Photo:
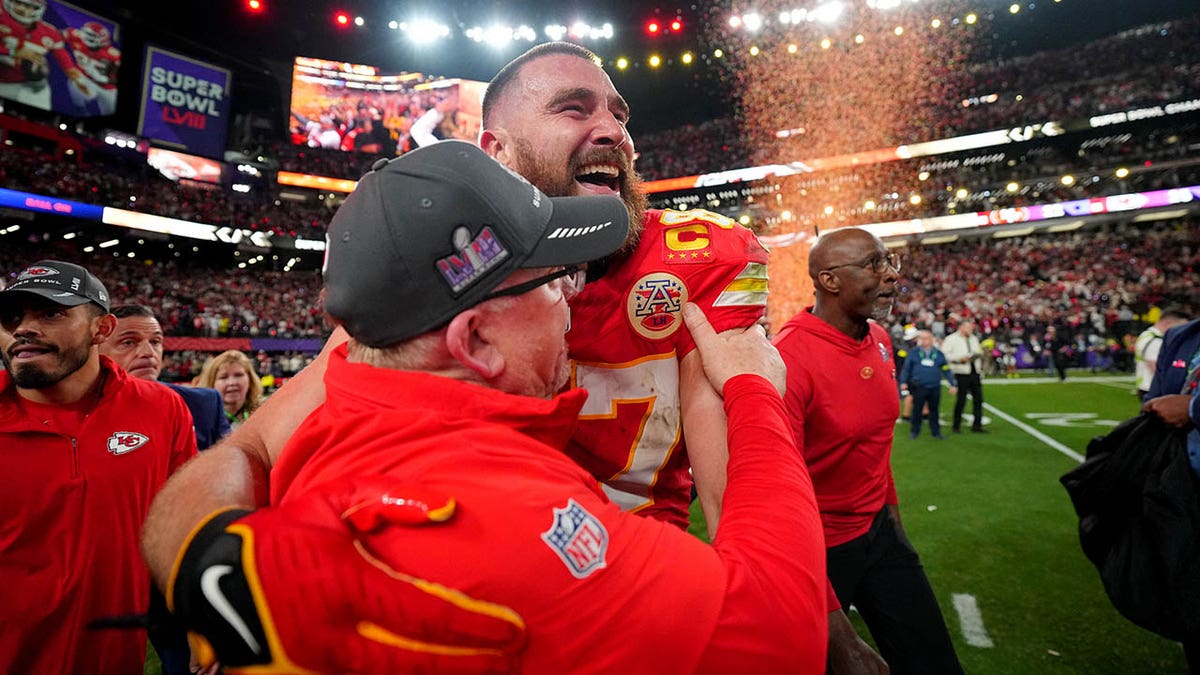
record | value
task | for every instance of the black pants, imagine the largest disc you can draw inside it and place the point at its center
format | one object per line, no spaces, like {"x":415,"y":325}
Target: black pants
{"x":969,"y":384}
{"x":881,"y":575}
{"x":921,"y":396}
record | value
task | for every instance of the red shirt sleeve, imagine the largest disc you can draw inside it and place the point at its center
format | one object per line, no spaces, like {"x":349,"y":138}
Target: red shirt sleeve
{"x":775,"y":608}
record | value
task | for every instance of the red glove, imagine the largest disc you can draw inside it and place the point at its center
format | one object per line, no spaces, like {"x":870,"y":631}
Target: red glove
{"x":295,"y":588}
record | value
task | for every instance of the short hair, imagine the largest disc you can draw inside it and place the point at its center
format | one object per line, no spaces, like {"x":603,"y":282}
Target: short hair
{"x":126,"y":311}
{"x":1175,"y":311}
{"x":500,"y":83}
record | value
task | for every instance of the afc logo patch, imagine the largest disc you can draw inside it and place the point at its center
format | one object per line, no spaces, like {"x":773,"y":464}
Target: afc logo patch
{"x":579,"y":539}
{"x":122,"y":442}
{"x":655,"y":305}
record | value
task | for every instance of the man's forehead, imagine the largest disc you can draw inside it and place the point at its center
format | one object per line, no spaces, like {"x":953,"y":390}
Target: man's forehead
{"x":138,"y":324}
{"x":563,"y":75}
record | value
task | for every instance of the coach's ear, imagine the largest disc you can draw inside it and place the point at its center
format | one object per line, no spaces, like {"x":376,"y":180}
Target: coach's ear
{"x":468,"y":344}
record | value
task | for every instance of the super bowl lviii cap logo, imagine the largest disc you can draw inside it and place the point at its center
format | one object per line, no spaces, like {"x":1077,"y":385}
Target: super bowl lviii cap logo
{"x":474,"y":257}
{"x":655,"y":305}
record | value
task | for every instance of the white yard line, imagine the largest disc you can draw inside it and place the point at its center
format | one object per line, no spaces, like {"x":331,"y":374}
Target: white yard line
{"x":971,"y":621}
{"x":1033,"y":432}
{"x":1001,"y":380}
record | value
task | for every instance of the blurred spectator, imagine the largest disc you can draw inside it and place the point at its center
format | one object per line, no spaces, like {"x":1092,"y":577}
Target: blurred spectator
{"x":232,"y":374}
{"x":1148,"y":344}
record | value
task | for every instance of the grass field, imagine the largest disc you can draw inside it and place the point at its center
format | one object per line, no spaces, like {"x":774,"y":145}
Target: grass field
{"x":991,"y":520}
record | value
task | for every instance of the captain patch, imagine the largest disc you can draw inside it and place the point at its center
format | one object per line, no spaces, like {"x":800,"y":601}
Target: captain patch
{"x":655,"y":305}
{"x":579,"y":539}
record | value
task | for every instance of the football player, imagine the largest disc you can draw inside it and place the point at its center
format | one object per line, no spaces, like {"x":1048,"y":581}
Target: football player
{"x":99,"y":59}
{"x":554,"y":116}
{"x":26,"y":43}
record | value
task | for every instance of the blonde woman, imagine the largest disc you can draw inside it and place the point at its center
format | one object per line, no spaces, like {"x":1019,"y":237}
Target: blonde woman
{"x":232,"y":374}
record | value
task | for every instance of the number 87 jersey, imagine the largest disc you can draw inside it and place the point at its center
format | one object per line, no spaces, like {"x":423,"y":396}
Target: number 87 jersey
{"x":627,"y":339}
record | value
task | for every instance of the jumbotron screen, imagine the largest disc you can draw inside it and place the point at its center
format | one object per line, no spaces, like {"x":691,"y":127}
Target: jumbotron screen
{"x":358,"y":108}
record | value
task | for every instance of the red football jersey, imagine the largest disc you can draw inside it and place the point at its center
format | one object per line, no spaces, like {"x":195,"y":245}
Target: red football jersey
{"x":627,"y":338}
{"x":40,"y":38}
{"x":100,"y":65}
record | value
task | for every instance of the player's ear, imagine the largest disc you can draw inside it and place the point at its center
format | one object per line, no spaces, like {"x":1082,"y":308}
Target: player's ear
{"x":468,"y":344}
{"x":495,"y":143}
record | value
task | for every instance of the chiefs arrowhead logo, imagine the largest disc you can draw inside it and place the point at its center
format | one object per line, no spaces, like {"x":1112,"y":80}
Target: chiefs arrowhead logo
{"x":122,"y":442}
{"x":37,"y":272}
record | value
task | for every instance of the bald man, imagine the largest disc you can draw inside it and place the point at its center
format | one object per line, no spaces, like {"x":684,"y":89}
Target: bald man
{"x":843,"y":402}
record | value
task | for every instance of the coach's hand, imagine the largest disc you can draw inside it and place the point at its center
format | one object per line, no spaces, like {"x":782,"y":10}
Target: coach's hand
{"x":296,"y":588}
{"x":734,"y":352}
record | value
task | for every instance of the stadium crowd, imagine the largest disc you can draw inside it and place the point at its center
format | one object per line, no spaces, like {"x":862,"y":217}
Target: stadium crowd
{"x":1095,"y":286}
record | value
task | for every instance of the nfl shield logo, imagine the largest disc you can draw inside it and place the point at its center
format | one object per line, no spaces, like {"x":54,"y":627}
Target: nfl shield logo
{"x":579,"y":538}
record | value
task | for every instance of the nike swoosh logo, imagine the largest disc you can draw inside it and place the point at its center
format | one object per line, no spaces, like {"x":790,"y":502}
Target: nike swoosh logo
{"x":210,"y":585}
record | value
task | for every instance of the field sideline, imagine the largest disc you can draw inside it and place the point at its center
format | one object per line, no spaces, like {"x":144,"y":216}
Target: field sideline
{"x":998,"y":535}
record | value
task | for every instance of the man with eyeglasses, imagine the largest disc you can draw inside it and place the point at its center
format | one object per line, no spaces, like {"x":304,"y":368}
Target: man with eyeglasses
{"x":843,"y":401}
{"x":425,"y":518}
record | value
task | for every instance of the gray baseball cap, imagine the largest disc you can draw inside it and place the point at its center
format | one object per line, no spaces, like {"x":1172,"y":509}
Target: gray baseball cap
{"x":64,"y":283}
{"x":430,"y":234}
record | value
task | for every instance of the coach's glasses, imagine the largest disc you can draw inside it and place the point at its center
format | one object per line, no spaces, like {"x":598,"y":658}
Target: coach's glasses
{"x":572,"y":277}
{"x":877,"y":264}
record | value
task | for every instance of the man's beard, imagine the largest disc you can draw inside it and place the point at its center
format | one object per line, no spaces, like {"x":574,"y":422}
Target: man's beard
{"x":557,"y":181}
{"x":68,"y":360}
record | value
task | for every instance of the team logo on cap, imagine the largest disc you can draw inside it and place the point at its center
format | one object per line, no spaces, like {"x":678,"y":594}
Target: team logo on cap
{"x":579,"y":539}
{"x":473,"y":257}
{"x":34,"y":272}
{"x":122,"y":442}
{"x":655,"y":305}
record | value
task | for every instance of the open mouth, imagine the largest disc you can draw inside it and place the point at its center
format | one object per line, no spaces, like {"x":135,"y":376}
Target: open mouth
{"x":600,"y":177}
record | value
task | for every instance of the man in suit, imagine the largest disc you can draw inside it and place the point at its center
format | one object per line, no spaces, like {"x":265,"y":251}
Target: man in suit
{"x":136,"y":345}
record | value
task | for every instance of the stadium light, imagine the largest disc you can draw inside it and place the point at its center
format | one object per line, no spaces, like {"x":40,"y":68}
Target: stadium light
{"x":936,"y":23}
{"x":255,"y":6}
{"x":899,"y":30}
{"x":622,"y":63}
{"x":754,"y":50}
{"x":859,"y":39}
{"x":972,"y":18}
{"x":1014,"y":8}
{"x":752,"y":21}
{"x":735,"y":21}
{"x":655,"y":61}
{"x":792,"y":48}
{"x":828,"y":12}
{"x":341,"y":19}
{"x":826,"y":43}
{"x":425,"y":31}
{"x":1067,"y":180}
{"x":686,"y":58}
{"x":653,"y":28}
{"x":676,"y":25}
{"x":718,"y":53}
{"x":1122,"y":172}
{"x":555,"y":31}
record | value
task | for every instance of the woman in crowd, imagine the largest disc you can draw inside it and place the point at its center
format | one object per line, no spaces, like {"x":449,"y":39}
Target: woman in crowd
{"x":233,"y":375}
